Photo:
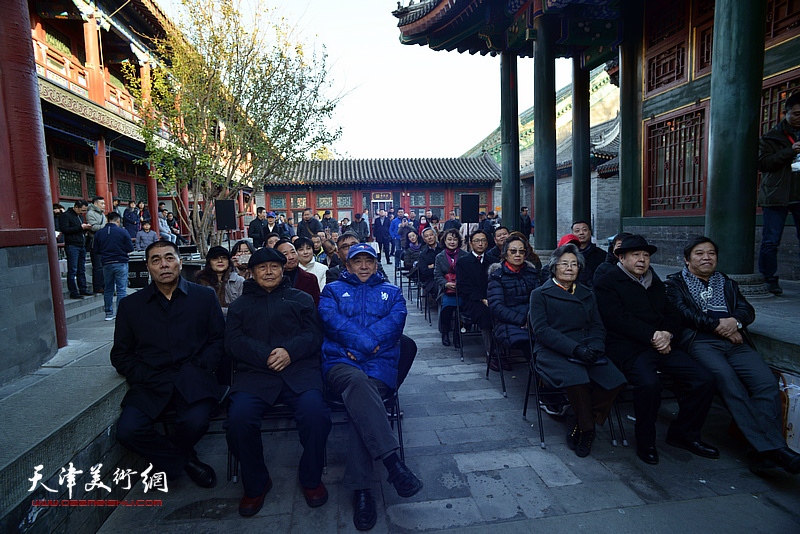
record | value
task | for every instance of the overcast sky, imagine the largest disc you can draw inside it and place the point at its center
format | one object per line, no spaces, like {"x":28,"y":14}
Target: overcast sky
{"x":401,"y":101}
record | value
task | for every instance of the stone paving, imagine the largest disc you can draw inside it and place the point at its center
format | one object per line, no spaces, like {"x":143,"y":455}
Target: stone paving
{"x":484,"y":471}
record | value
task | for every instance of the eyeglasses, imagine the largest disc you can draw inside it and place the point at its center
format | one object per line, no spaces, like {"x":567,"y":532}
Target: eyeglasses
{"x":514,"y":251}
{"x":479,"y":241}
{"x":566,"y":264}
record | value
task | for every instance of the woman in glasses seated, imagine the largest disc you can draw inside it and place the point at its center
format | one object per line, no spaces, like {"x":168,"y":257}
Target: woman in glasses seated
{"x":570,"y":346}
{"x":510,"y":284}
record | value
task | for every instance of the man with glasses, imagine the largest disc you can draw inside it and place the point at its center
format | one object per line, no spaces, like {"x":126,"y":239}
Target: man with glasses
{"x":472,"y":282}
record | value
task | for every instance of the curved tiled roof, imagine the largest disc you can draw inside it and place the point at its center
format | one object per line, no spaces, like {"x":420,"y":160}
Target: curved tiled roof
{"x":401,"y":170}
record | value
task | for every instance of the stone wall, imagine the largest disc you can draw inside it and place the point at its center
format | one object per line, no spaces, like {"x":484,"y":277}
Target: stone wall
{"x":605,"y":207}
{"x":27,"y":325}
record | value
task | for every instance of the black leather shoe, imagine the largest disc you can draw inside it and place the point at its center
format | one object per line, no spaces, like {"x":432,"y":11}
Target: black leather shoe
{"x":445,"y":339}
{"x":202,"y":474}
{"x":583,"y":445}
{"x":86,"y":293}
{"x":76,"y":296}
{"x":786,"y":458}
{"x":364,"y":514}
{"x":648,"y":455}
{"x":404,"y":481}
{"x":695,"y":447}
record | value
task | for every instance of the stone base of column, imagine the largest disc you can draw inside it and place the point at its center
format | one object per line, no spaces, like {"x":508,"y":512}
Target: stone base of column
{"x":544,"y":255}
{"x":752,"y":286}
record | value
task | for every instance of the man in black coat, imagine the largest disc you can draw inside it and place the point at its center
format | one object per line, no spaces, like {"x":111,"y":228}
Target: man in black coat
{"x":643,"y":336}
{"x":715,"y":317}
{"x":168,"y":341}
{"x":381,"y":231}
{"x":74,"y":228}
{"x":256,"y":229}
{"x":472,"y":281}
{"x":309,"y":226}
{"x":273,"y":335}
{"x":524,"y":221}
{"x":592,"y":256}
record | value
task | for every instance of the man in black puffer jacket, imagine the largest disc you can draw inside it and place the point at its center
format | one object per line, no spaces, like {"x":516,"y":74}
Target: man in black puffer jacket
{"x":715,"y":316}
{"x":273,"y":334}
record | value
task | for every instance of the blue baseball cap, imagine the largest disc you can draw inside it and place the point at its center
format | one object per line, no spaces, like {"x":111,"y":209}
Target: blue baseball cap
{"x":361,"y":248}
{"x":271,"y":214}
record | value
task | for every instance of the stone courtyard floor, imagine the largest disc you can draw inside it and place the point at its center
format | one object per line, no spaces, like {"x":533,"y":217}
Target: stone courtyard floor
{"x":484,"y":471}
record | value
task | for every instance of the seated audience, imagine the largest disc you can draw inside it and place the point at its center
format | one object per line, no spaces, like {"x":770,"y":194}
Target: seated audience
{"x":169,"y":361}
{"x":220,"y":275}
{"x":298,"y":278}
{"x":240,"y":256}
{"x":444,"y":272}
{"x":570,"y":346}
{"x":509,"y":291}
{"x":715,"y":318}
{"x":273,"y":335}
{"x":412,"y":250}
{"x":592,"y":255}
{"x":331,"y":256}
{"x":360,"y":355}
{"x":172,"y":222}
{"x":495,"y":253}
{"x":145,"y":237}
{"x":270,"y":239}
{"x":427,"y":260}
{"x":611,"y":259}
{"x":319,"y":252}
{"x":473,"y":281}
{"x":305,"y":255}
{"x":643,"y":336}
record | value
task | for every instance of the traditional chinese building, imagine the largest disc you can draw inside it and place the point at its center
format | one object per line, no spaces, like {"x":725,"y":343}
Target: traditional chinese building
{"x":699,"y":81}
{"x":346,"y":187}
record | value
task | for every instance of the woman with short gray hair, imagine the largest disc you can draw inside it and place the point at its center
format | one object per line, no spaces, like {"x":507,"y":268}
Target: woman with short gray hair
{"x":570,"y":346}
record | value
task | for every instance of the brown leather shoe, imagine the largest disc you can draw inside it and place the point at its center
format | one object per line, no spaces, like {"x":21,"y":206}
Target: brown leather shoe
{"x":316,"y":496}
{"x":249,"y":506}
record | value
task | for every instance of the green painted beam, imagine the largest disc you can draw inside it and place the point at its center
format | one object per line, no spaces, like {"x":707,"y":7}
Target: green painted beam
{"x":509,"y":139}
{"x":631,"y":56}
{"x":544,"y":142}
{"x":737,"y":66}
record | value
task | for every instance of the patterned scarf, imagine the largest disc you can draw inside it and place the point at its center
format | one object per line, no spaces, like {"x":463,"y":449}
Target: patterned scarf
{"x":711,"y":297}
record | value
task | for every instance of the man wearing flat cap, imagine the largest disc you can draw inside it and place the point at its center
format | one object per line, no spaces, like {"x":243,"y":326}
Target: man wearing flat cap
{"x":363,"y":318}
{"x":643,"y":336}
{"x":273,"y":335}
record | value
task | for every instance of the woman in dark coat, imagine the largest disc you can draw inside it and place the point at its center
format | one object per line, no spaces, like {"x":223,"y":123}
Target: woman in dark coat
{"x":412,"y":250}
{"x":446,"y":264}
{"x":510,"y":284}
{"x":570,"y":346}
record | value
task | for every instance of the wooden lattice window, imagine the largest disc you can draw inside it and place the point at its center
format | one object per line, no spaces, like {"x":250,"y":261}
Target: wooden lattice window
{"x":773,"y":98}
{"x":58,"y":41}
{"x":325,"y":201}
{"x":675,"y":169}
{"x":344,"y":200}
{"x":667,"y":39}
{"x":437,"y":198}
{"x":783,"y":19}
{"x":69,"y":183}
{"x":91,"y":186}
{"x":140,"y":191}
{"x":124,"y":190}
{"x":277,"y":202}
{"x":418,"y":199}
{"x":298,"y":201}
{"x":62,"y":151}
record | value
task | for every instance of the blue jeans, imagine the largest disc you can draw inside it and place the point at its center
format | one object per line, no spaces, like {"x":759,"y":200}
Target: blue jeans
{"x":114,"y":274}
{"x":774,"y":222}
{"x":76,"y":263}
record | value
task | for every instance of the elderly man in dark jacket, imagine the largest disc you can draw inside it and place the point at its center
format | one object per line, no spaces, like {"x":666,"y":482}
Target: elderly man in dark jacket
{"x":715,"y":317}
{"x":643,"y":337}
{"x":779,"y":191}
{"x":168,"y":341}
{"x":273,"y":336}
{"x":363,"y":318}
{"x":297,"y":278}
{"x":472,"y":284}
{"x":308,"y":225}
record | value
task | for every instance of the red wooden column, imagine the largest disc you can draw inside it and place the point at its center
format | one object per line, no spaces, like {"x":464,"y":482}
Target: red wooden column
{"x":240,"y":204}
{"x":184,"y":208}
{"x":97,"y":79}
{"x":101,"y":173}
{"x":152,"y":200}
{"x":23,"y":162}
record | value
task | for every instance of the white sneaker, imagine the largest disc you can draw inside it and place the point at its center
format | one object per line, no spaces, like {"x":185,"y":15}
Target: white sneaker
{"x":110,"y":317}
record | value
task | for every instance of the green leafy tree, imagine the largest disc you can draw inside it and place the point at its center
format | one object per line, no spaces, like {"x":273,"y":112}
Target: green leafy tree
{"x":233,"y":103}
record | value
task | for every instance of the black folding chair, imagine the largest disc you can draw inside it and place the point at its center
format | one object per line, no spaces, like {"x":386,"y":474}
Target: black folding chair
{"x":534,"y":379}
{"x":501,"y":353}
{"x":465,"y":326}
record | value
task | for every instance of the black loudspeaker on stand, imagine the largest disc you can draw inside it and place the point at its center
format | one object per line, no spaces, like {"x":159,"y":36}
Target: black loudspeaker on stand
{"x":469,"y":208}
{"x":226,"y":214}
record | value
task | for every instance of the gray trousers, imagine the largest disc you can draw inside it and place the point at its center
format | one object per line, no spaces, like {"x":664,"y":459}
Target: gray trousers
{"x":748,"y":388}
{"x":370,"y":435}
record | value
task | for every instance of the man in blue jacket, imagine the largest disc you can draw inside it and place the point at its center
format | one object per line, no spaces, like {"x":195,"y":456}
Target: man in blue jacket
{"x":394,"y":234}
{"x":363,"y":318}
{"x":113,"y":244}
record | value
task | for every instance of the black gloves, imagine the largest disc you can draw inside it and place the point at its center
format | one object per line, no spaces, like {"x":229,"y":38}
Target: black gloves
{"x":586,"y":354}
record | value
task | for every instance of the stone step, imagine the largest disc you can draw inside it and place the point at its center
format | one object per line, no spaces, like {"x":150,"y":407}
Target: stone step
{"x":71,"y":304}
{"x":81,"y":309}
